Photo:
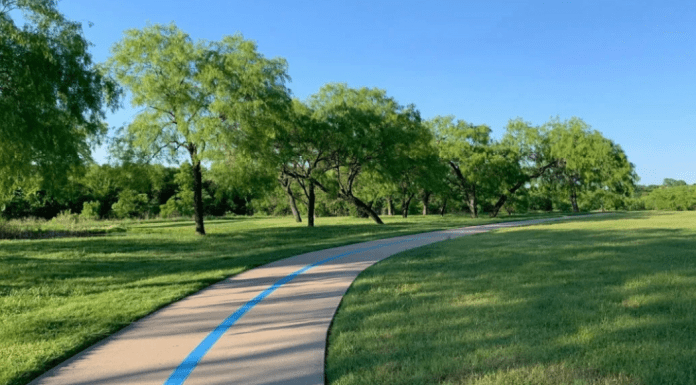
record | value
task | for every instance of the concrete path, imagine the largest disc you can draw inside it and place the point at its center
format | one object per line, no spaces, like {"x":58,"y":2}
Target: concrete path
{"x":264,"y":326}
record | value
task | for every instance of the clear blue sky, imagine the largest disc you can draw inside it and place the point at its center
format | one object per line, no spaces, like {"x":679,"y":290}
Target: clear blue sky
{"x":628,"y":68}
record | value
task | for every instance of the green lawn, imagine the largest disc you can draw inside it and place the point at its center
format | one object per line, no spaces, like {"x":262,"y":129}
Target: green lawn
{"x":609,"y":300}
{"x":58,"y":296}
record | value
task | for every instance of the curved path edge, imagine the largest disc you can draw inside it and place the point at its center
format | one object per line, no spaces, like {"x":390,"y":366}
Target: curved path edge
{"x":267,"y":325}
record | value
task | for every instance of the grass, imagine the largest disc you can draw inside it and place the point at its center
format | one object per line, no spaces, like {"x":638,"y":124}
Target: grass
{"x":609,"y":300}
{"x":60,"y":227}
{"x":60,"y":295}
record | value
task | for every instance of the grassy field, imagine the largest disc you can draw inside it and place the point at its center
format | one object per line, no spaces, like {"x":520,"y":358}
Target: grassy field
{"x":59,"y":295}
{"x":610,"y":300}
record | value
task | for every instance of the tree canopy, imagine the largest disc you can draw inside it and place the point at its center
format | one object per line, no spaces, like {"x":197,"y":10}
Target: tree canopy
{"x":587,"y":161}
{"x":52,"y":97}
{"x":369,"y":128}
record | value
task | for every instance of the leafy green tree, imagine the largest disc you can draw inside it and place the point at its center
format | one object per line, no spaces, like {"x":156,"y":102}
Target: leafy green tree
{"x":197,"y":96}
{"x":51,"y":95}
{"x":241,"y":179}
{"x":523,"y":155}
{"x":588,"y":161}
{"x":416,"y":170}
{"x":302,"y":147}
{"x":367,"y":128}
{"x":465,"y":148}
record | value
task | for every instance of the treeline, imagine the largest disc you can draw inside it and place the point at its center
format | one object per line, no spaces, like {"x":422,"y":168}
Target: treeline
{"x":671,"y":195}
{"x":222,"y":111}
{"x":126,"y":191}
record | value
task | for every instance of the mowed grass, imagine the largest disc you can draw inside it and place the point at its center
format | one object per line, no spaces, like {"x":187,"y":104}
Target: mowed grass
{"x":609,"y":300}
{"x":58,"y":296}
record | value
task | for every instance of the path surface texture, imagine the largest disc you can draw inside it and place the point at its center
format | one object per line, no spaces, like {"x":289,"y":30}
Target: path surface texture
{"x":265,"y":326}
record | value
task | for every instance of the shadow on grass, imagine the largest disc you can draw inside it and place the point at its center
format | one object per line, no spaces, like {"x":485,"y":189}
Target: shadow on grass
{"x":601,"y":305}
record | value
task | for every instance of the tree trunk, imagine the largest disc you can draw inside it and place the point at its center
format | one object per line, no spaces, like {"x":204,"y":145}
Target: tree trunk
{"x":471,"y":201}
{"x":311,"y":198}
{"x":574,"y":200}
{"x":198,"y":197}
{"x":426,"y":200}
{"x":444,"y":207}
{"x":503,"y":198}
{"x":292,"y":202}
{"x":361,"y":206}
{"x":390,"y":206}
{"x":469,"y":189}
{"x":498,"y":205}
{"x":405,"y":203}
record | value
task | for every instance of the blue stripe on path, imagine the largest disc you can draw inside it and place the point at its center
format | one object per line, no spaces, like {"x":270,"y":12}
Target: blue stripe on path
{"x":191,"y":361}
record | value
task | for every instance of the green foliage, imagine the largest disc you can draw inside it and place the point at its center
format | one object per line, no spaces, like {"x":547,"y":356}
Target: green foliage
{"x":130,"y":204}
{"x":90,"y":210}
{"x":195,"y":93}
{"x":669,"y":182}
{"x":467,"y":150}
{"x":677,"y":197}
{"x":66,"y":218}
{"x":203,"y":98}
{"x":369,"y":131}
{"x":588,"y":161}
{"x":180,"y":205}
{"x":51,"y":96}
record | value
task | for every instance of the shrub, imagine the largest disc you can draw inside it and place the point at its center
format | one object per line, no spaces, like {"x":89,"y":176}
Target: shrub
{"x":66,"y":218}
{"x":130,"y":204}
{"x":180,"y":205}
{"x":90,"y":210}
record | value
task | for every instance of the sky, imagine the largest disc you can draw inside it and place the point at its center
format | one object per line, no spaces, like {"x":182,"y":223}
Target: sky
{"x":627,"y":68}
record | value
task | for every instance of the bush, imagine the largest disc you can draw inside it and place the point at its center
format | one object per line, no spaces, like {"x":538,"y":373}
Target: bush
{"x":180,"y":205}
{"x":67,"y":218}
{"x":671,"y":198}
{"x":90,"y":210}
{"x":130,"y":204}
{"x":634,"y":204}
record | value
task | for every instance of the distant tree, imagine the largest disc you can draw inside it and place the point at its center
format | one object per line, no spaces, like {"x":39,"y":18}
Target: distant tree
{"x":51,"y":96}
{"x":367,"y":127}
{"x":669,"y":182}
{"x":466,"y":149}
{"x":588,"y":161}
{"x":302,"y":147}
{"x":197,"y":96}
{"x":242,"y":178}
{"x":678,"y":198}
{"x":524,"y":155}
{"x":417,"y":170}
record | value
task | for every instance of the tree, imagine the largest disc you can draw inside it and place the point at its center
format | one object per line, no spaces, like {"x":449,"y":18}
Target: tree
{"x":51,"y":95}
{"x":416,"y":169}
{"x":527,"y":151}
{"x":588,"y":161}
{"x":465,"y":148}
{"x":197,"y":96}
{"x":669,"y":182}
{"x":367,"y":129}
{"x":302,"y":147}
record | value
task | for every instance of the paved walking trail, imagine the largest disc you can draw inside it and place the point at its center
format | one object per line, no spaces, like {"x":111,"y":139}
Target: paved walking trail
{"x":217,"y":336}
